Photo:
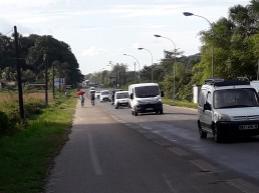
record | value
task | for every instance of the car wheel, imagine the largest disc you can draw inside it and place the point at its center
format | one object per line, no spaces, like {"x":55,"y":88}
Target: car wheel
{"x":218,"y":135}
{"x":161,"y":111}
{"x":135,"y":112}
{"x":203,"y":134}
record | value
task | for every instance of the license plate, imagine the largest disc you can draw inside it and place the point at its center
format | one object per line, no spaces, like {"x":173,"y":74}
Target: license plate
{"x":149,"y":109}
{"x":243,"y":127}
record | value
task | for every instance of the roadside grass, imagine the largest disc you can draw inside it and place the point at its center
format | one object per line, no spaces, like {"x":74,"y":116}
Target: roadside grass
{"x":25,"y":156}
{"x":180,"y":103}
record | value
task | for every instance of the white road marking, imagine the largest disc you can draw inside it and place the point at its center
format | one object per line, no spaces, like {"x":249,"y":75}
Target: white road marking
{"x":203,"y":165}
{"x":146,"y":127}
{"x":169,"y":184}
{"x":178,"y":151}
{"x":94,"y":158}
{"x":243,"y":185}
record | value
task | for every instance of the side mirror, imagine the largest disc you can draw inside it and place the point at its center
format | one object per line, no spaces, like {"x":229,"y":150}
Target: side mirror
{"x":207,"y":106}
{"x":131,"y":95}
{"x":162,"y":94}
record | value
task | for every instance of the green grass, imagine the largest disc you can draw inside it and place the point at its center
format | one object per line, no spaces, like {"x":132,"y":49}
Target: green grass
{"x":25,"y":156}
{"x":180,"y":103}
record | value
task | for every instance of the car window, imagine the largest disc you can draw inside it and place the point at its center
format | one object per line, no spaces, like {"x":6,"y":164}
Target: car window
{"x":202,"y":97}
{"x":209,"y":98}
{"x":235,"y":98}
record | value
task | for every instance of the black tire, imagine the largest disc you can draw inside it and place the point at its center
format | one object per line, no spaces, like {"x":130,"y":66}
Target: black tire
{"x":203,"y":134}
{"x":135,"y":112}
{"x":161,"y":111}
{"x":116,"y":106}
{"x":218,"y":135}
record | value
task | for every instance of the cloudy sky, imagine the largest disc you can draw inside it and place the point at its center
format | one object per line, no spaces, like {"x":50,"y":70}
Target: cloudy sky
{"x":100,"y":31}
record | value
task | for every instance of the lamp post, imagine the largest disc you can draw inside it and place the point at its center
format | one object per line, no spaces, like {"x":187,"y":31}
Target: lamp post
{"x":151,"y":55}
{"x":212,"y":49}
{"x":137,"y":61}
{"x":174,"y":52}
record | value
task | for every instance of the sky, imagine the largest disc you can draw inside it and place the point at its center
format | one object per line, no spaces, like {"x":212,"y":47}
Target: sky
{"x":100,"y":32}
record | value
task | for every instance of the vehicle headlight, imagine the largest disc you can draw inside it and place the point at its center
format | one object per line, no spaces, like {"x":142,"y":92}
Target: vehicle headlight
{"x":139,"y":102}
{"x":221,"y":117}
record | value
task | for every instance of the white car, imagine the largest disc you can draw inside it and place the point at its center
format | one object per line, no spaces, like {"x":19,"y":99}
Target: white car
{"x":228,"y":108}
{"x":104,"y":96}
{"x":121,"y":98}
{"x":97,"y":94}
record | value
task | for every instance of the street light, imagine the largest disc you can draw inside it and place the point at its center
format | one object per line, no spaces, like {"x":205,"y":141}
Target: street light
{"x":151,"y":55}
{"x":212,"y":49}
{"x":137,"y":61}
{"x":159,"y":36}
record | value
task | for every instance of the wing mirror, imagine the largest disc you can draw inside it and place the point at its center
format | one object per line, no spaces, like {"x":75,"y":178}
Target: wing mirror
{"x":207,"y":106}
{"x":131,"y":95}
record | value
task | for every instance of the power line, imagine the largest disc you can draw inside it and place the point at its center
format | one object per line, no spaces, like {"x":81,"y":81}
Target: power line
{"x":8,"y":32}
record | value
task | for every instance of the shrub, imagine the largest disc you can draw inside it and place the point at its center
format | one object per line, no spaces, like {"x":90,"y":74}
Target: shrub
{"x":4,"y":121}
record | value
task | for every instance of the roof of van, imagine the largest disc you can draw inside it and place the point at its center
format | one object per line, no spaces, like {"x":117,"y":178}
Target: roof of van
{"x":143,"y":84}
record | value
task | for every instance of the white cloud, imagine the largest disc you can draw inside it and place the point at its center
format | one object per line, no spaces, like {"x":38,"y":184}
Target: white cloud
{"x":92,"y":51}
{"x":136,"y":10}
{"x":135,"y":45}
{"x":25,"y":3}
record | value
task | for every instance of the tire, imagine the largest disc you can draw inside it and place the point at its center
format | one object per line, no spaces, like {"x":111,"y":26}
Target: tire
{"x":161,"y":111}
{"x":135,"y":112}
{"x":203,"y":134}
{"x":218,"y":135}
{"x":116,"y":106}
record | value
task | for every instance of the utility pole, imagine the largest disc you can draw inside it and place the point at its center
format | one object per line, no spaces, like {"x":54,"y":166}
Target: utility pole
{"x":46,"y":78}
{"x":135,"y":74}
{"x":19,"y":79}
{"x":53,"y":80}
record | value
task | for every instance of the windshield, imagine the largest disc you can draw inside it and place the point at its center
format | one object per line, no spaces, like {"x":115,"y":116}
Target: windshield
{"x":235,"y":98}
{"x":122,"y":95}
{"x":105,"y":93}
{"x":147,"y":91}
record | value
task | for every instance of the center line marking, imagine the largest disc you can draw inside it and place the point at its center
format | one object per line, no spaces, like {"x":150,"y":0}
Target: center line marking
{"x":95,"y":161}
{"x":169,"y":184}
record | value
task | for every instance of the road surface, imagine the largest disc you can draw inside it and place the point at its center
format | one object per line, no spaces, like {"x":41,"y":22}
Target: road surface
{"x":111,"y":151}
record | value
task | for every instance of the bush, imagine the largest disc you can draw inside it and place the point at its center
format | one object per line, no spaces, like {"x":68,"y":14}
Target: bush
{"x":33,"y":108}
{"x":4,"y":121}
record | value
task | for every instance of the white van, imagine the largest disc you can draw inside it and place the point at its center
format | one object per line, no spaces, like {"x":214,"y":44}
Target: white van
{"x":104,"y":95}
{"x":145,"y":97}
{"x":228,"y":108}
{"x":121,"y":98}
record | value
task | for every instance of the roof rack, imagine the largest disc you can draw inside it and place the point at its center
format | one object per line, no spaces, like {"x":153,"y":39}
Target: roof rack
{"x":222,"y":82}
{"x":212,"y":81}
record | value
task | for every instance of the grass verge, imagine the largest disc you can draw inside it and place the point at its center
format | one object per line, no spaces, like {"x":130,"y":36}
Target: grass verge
{"x":26,"y":155}
{"x":180,"y":103}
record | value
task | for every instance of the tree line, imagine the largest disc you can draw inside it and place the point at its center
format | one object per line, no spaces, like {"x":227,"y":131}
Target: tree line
{"x":235,"y":44}
{"x":35,"y":52}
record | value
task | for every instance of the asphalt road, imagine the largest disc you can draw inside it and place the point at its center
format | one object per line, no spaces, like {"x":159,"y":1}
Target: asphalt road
{"x":110,"y":151}
{"x":179,"y":126}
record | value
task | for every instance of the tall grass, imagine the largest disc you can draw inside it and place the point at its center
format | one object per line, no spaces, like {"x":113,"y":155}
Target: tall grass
{"x":25,"y":155}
